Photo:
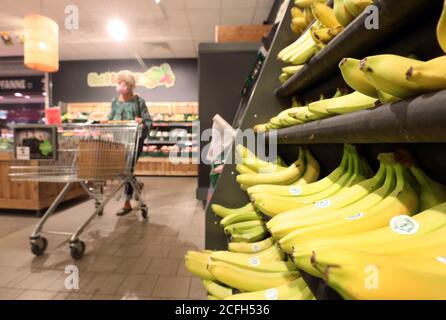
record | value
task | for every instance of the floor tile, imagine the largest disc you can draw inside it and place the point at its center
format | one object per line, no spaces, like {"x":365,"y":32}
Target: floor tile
{"x":172,"y":287}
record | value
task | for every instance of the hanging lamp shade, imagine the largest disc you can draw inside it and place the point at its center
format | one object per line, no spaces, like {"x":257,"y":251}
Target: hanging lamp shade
{"x":41,"y":43}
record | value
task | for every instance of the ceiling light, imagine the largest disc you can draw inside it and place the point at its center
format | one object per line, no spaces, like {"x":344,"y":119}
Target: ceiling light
{"x":18,"y":94}
{"x":27,"y":97}
{"x":117,"y":30}
{"x":42,"y":45}
{"x":157,"y":1}
{"x":44,"y":94}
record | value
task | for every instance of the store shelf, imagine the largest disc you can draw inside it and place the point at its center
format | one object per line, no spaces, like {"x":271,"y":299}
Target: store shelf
{"x":165,"y":166}
{"x":357,"y":41}
{"x":421,"y":119}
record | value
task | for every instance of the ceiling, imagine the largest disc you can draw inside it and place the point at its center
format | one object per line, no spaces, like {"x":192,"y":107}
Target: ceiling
{"x":171,"y":29}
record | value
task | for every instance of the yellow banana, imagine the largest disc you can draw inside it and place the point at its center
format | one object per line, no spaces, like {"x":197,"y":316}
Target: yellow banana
{"x":241,"y":168}
{"x":387,"y":73}
{"x":312,"y":170}
{"x":356,"y":7}
{"x":248,"y":280}
{"x":365,"y":276}
{"x":429,"y":75}
{"x":235,"y":218}
{"x":341,"y":199}
{"x":287,"y":176}
{"x":211,"y":297}
{"x":223,"y":211}
{"x":251,"y":161}
{"x":251,"y":235}
{"x":349,"y":103}
{"x":306,"y":3}
{"x":295,"y":290}
{"x":355,"y":78}
{"x":199,"y":269}
{"x":297,"y":13}
{"x":325,"y":15}
{"x":386,"y":98}
{"x":304,"y":227}
{"x":271,"y":253}
{"x":341,"y":13}
{"x":254,"y":263}
{"x":432,"y":192}
{"x":306,"y":190}
{"x":441,"y":29}
{"x":216,"y":290}
{"x":241,"y":227}
{"x":240,"y":247}
{"x":299,"y":23}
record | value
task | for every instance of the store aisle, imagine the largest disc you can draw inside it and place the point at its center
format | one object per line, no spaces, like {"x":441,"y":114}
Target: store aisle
{"x":125,"y":259}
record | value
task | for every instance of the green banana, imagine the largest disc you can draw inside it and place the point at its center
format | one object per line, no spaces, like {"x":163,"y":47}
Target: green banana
{"x":349,"y":103}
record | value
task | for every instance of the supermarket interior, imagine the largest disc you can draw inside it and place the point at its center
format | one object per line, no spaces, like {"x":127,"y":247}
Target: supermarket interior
{"x":222,"y":150}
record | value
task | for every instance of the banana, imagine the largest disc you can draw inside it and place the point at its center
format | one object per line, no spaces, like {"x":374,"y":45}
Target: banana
{"x":432,"y":192}
{"x":355,"y":78}
{"x":223,"y":211}
{"x":296,"y":12}
{"x":304,"y":227}
{"x":239,"y":247}
{"x":356,"y":7}
{"x":429,"y":75}
{"x":286,"y":53}
{"x":250,"y":160}
{"x":306,"y":3}
{"x":285,"y":120}
{"x":386,"y":239}
{"x":295,"y":290}
{"x":312,"y":170}
{"x":298,"y":24}
{"x":248,"y":280}
{"x":287,"y":176}
{"x":306,"y":190}
{"x":235,"y":218}
{"x":386,"y":73}
{"x":306,"y":115}
{"x":365,"y":276}
{"x":308,"y":15}
{"x":341,"y":13}
{"x":283,"y":208}
{"x":272,"y":253}
{"x":324,"y":14}
{"x":281,"y":224}
{"x":304,"y":53}
{"x":254,"y":263}
{"x":199,"y":269}
{"x":216,"y":290}
{"x":441,"y":29}
{"x":291,"y":70}
{"x":241,"y":168}
{"x":321,"y":36}
{"x":242,"y":227}
{"x":253,"y":235}
{"x":349,"y":103}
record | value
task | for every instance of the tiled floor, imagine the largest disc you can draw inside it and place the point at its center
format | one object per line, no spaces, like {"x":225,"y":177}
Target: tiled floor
{"x":126,"y":258}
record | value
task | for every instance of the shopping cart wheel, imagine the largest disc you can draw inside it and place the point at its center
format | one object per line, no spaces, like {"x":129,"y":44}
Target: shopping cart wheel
{"x":77,"y":249}
{"x":39,"y":245}
{"x":144,"y":213}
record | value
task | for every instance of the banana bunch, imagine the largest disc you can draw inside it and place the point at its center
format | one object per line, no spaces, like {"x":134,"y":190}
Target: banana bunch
{"x":350,"y":172}
{"x":328,"y":26}
{"x":392,"y":78}
{"x":346,"y":11}
{"x":300,"y":18}
{"x":250,"y":163}
{"x":288,"y":72}
{"x":408,"y":252}
{"x":287,"y":176}
{"x":301,"y":50}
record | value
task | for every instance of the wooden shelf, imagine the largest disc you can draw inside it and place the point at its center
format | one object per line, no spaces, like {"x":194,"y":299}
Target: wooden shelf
{"x":158,"y":166}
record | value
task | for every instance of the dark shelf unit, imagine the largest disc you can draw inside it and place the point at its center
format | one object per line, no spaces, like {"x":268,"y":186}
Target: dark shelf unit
{"x":414,"y":124}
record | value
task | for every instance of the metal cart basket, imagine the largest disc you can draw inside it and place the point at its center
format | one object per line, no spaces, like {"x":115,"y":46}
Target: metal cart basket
{"x":89,"y":154}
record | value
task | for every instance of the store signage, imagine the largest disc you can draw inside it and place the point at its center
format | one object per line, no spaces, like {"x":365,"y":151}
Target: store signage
{"x":154,"y":77}
{"x":26,"y":84}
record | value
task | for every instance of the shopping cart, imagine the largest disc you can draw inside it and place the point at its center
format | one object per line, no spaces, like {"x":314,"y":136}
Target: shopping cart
{"x":89,"y":154}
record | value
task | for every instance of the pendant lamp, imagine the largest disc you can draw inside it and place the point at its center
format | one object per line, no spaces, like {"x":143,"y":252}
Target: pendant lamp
{"x":41,"y":43}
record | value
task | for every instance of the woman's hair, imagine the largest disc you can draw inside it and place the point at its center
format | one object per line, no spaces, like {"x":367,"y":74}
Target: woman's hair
{"x":127,"y":77}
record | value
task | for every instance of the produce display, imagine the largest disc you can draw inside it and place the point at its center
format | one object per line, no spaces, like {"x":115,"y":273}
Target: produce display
{"x":317,"y":24}
{"x":332,"y":228}
{"x":175,"y":117}
{"x":166,"y":151}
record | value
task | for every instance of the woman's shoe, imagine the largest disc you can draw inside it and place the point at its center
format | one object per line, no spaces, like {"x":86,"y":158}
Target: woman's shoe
{"x":124,"y":211}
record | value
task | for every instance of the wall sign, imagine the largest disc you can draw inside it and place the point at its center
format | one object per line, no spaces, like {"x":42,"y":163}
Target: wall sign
{"x":151,"y":79}
{"x":22,"y":84}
